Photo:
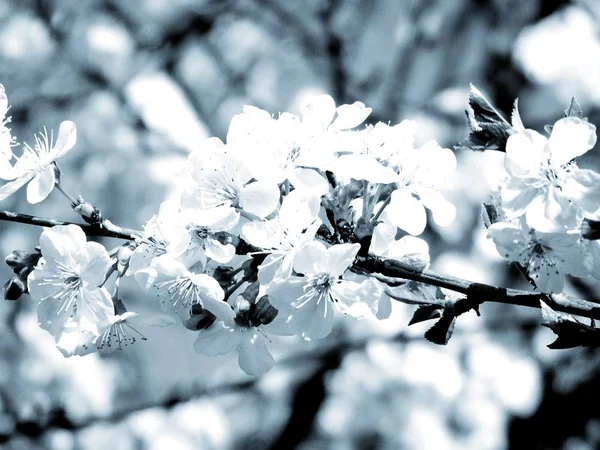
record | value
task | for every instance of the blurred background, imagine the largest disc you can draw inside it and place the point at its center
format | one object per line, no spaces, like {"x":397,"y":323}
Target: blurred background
{"x":147,"y":80}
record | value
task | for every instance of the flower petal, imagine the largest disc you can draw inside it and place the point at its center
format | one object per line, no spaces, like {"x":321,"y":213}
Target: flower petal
{"x":340,"y":257}
{"x":384,"y":234}
{"x":309,"y":180}
{"x":64,"y":245}
{"x":442,"y":210}
{"x":359,"y":300}
{"x":254,"y":357}
{"x":406,"y":212}
{"x":510,"y":239}
{"x":97,"y":263}
{"x":583,"y":188}
{"x":10,"y":188}
{"x":40,"y":187}
{"x":524,"y":152}
{"x":218,"y":339}
{"x":363,"y":167}
{"x":259,"y":198}
{"x":311,"y":259}
{"x":219,"y":252}
{"x":67,"y":137}
{"x":319,"y":111}
{"x":94,"y":309}
{"x":350,"y":116}
{"x":571,"y":137}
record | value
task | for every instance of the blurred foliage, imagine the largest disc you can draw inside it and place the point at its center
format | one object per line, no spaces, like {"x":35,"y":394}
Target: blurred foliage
{"x":147,"y":80}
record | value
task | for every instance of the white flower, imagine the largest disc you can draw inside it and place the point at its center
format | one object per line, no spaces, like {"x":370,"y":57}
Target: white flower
{"x":222,"y":185}
{"x":544,"y":184}
{"x":35,"y":166}
{"x":6,"y":140}
{"x":178,"y":289}
{"x":190,"y":238}
{"x":545,"y":256}
{"x":314,"y":296}
{"x":250,"y":343}
{"x":151,"y":245}
{"x":324,"y":130}
{"x":273,"y":144}
{"x":120,"y":332}
{"x":66,"y":281}
{"x":422,"y":172}
{"x":380,"y":145}
{"x":294,"y":227}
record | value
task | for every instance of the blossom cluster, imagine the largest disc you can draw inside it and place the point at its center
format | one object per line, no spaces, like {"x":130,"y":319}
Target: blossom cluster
{"x":544,"y":201}
{"x":260,"y":240}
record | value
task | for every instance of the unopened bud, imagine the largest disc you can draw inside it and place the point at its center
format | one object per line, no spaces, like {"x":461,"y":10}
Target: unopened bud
{"x":14,"y":288}
{"x":16,"y":258}
{"x":20,"y":260}
{"x":88,"y":212}
{"x":262,"y":312}
{"x":241,"y":305}
{"x":124,"y":255}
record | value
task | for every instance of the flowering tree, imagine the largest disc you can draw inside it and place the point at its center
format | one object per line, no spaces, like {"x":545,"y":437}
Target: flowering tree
{"x":295,"y":220}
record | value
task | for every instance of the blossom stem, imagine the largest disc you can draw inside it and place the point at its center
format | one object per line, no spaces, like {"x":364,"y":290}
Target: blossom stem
{"x":112,"y":231}
{"x":383,"y":205}
{"x":477,"y":293}
{"x":64,"y":192}
{"x":235,"y":287}
{"x":365,"y":205}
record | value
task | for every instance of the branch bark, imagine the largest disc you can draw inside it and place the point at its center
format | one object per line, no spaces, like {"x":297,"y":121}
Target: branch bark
{"x":106,"y":230}
{"x":478,"y":293}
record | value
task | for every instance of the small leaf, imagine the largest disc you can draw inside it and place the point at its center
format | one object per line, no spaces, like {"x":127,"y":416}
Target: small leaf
{"x":415,"y":293}
{"x":489,"y":130}
{"x":425,"y":312}
{"x":574,"y":109}
{"x":515,"y":118}
{"x":441,"y":332}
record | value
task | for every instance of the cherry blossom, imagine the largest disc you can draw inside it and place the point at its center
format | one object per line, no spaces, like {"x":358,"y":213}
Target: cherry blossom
{"x":178,"y":289}
{"x":293,"y":228}
{"x":36,"y":164}
{"x":545,"y":256}
{"x":66,"y":280}
{"x":314,"y":296}
{"x":190,"y":238}
{"x":422,"y":173}
{"x":6,"y":139}
{"x":119,"y":333}
{"x":222,"y":185}
{"x":544,"y":183}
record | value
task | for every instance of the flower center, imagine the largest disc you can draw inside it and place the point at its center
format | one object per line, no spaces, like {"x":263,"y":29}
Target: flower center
{"x":321,"y":282}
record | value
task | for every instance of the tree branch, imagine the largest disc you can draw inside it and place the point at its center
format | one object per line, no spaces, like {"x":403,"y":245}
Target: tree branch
{"x":108,"y":229}
{"x":478,"y":293}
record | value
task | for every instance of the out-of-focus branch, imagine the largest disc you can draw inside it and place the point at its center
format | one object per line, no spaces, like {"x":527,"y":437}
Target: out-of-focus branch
{"x":107,"y":229}
{"x":323,"y":360}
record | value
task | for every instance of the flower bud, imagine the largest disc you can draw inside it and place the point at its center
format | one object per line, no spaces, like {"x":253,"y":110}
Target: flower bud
{"x":88,"y":212}
{"x":14,"y":288}
{"x":16,"y":258}
{"x":124,"y":255}
{"x":20,"y":260}
{"x":262,"y":312}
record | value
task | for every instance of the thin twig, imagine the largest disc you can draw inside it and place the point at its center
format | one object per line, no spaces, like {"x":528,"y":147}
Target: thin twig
{"x":111,"y":230}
